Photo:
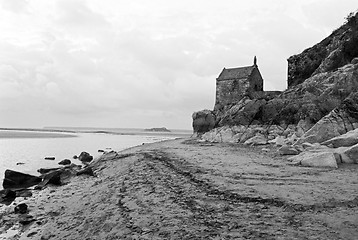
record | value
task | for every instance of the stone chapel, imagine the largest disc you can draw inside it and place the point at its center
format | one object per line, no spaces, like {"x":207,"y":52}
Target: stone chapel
{"x":234,"y":83}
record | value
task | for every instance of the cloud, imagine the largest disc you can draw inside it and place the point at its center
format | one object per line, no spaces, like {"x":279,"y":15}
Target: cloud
{"x":16,"y":6}
{"x":327,"y":14}
{"x":137,"y":63}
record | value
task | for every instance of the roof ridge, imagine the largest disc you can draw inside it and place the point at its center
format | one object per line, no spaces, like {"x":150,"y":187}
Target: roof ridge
{"x":251,"y":66}
{"x":238,"y":72}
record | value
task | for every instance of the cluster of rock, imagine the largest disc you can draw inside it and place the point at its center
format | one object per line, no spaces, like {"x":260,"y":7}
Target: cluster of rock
{"x":332,"y":140}
{"x":16,"y":184}
{"x":319,"y":105}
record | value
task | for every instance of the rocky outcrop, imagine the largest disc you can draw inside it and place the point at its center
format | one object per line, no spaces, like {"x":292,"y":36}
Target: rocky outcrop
{"x":315,"y":159}
{"x":304,"y":104}
{"x":53,"y":177}
{"x":321,"y":103}
{"x":302,"y":109}
{"x":258,"y":139}
{"x":348,"y":139}
{"x":288,"y":150}
{"x":203,"y":121}
{"x":339,"y":121}
{"x":351,"y":153}
{"x":335,"y":51}
{"x":86,"y":171}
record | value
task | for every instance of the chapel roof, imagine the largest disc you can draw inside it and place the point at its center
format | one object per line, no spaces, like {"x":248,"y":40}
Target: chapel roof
{"x":236,"y":73}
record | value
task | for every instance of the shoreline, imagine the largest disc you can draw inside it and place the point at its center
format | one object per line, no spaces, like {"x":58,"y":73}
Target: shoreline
{"x":33,"y":134}
{"x":29,"y":160}
{"x":184,"y":188}
{"x":53,"y":133}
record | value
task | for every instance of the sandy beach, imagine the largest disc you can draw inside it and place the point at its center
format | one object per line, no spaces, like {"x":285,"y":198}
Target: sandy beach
{"x":189,"y":189}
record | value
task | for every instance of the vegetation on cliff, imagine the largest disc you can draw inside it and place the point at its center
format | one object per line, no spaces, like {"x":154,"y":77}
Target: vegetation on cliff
{"x":333,"y":52}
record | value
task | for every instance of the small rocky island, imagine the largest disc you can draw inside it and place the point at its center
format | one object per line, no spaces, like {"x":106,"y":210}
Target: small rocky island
{"x":162,"y":129}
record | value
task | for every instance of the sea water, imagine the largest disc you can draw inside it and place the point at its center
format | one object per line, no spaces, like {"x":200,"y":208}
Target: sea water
{"x":28,"y":154}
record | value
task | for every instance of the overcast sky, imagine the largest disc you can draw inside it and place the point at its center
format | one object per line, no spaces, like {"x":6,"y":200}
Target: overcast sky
{"x":140,"y":63}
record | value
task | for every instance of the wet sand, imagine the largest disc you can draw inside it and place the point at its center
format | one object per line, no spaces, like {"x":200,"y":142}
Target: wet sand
{"x":185,"y":189}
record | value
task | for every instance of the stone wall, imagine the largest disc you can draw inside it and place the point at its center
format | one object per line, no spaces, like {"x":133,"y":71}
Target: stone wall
{"x":230,"y":91}
{"x":256,"y":81}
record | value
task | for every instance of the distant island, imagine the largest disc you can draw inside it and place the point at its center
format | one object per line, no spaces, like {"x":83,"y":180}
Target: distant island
{"x":162,"y":129}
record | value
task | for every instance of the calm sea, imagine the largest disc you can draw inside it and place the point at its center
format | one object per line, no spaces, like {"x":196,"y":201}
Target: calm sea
{"x":27,"y":154}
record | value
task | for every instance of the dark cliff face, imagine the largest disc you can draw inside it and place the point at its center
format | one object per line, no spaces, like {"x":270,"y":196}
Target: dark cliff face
{"x":333,"y":52}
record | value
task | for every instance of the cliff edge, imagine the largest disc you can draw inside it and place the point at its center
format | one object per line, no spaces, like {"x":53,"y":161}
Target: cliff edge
{"x":333,"y":52}
{"x":322,"y":88}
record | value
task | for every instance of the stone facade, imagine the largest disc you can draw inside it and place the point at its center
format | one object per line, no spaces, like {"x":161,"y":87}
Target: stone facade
{"x":235,"y":83}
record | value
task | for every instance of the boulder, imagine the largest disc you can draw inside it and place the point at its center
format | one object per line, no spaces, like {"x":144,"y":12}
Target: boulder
{"x":53,"y":177}
{"x":21,"y":208}
{"x":308,"y":146}
{"x":339,"y":121}
{"x":316,"y":159}
{"x":345,"y":140}
{"x":291,"y":139}
{"x":65,"y":162}
{"x":342,"y":155}
{"x":7,"y":196}
{"x":203,"y":121}
{"x":86,"y":171}
{"x":23,"y":193}
{"x":245,"y":115}
{"x":278,"y":141}
{"x":85,"y":157}
{"x":223,"y":134}
{"x":248,"y":133}
{"x":259,"y":139}
{"x":352,"y":153}
{"x":288,"y":150}
{"x":26,"y":219}
{"x":47,"y":170}
{"x":303,"y":126}
{"x":16,"y":180}
{"x":50,"y":158}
